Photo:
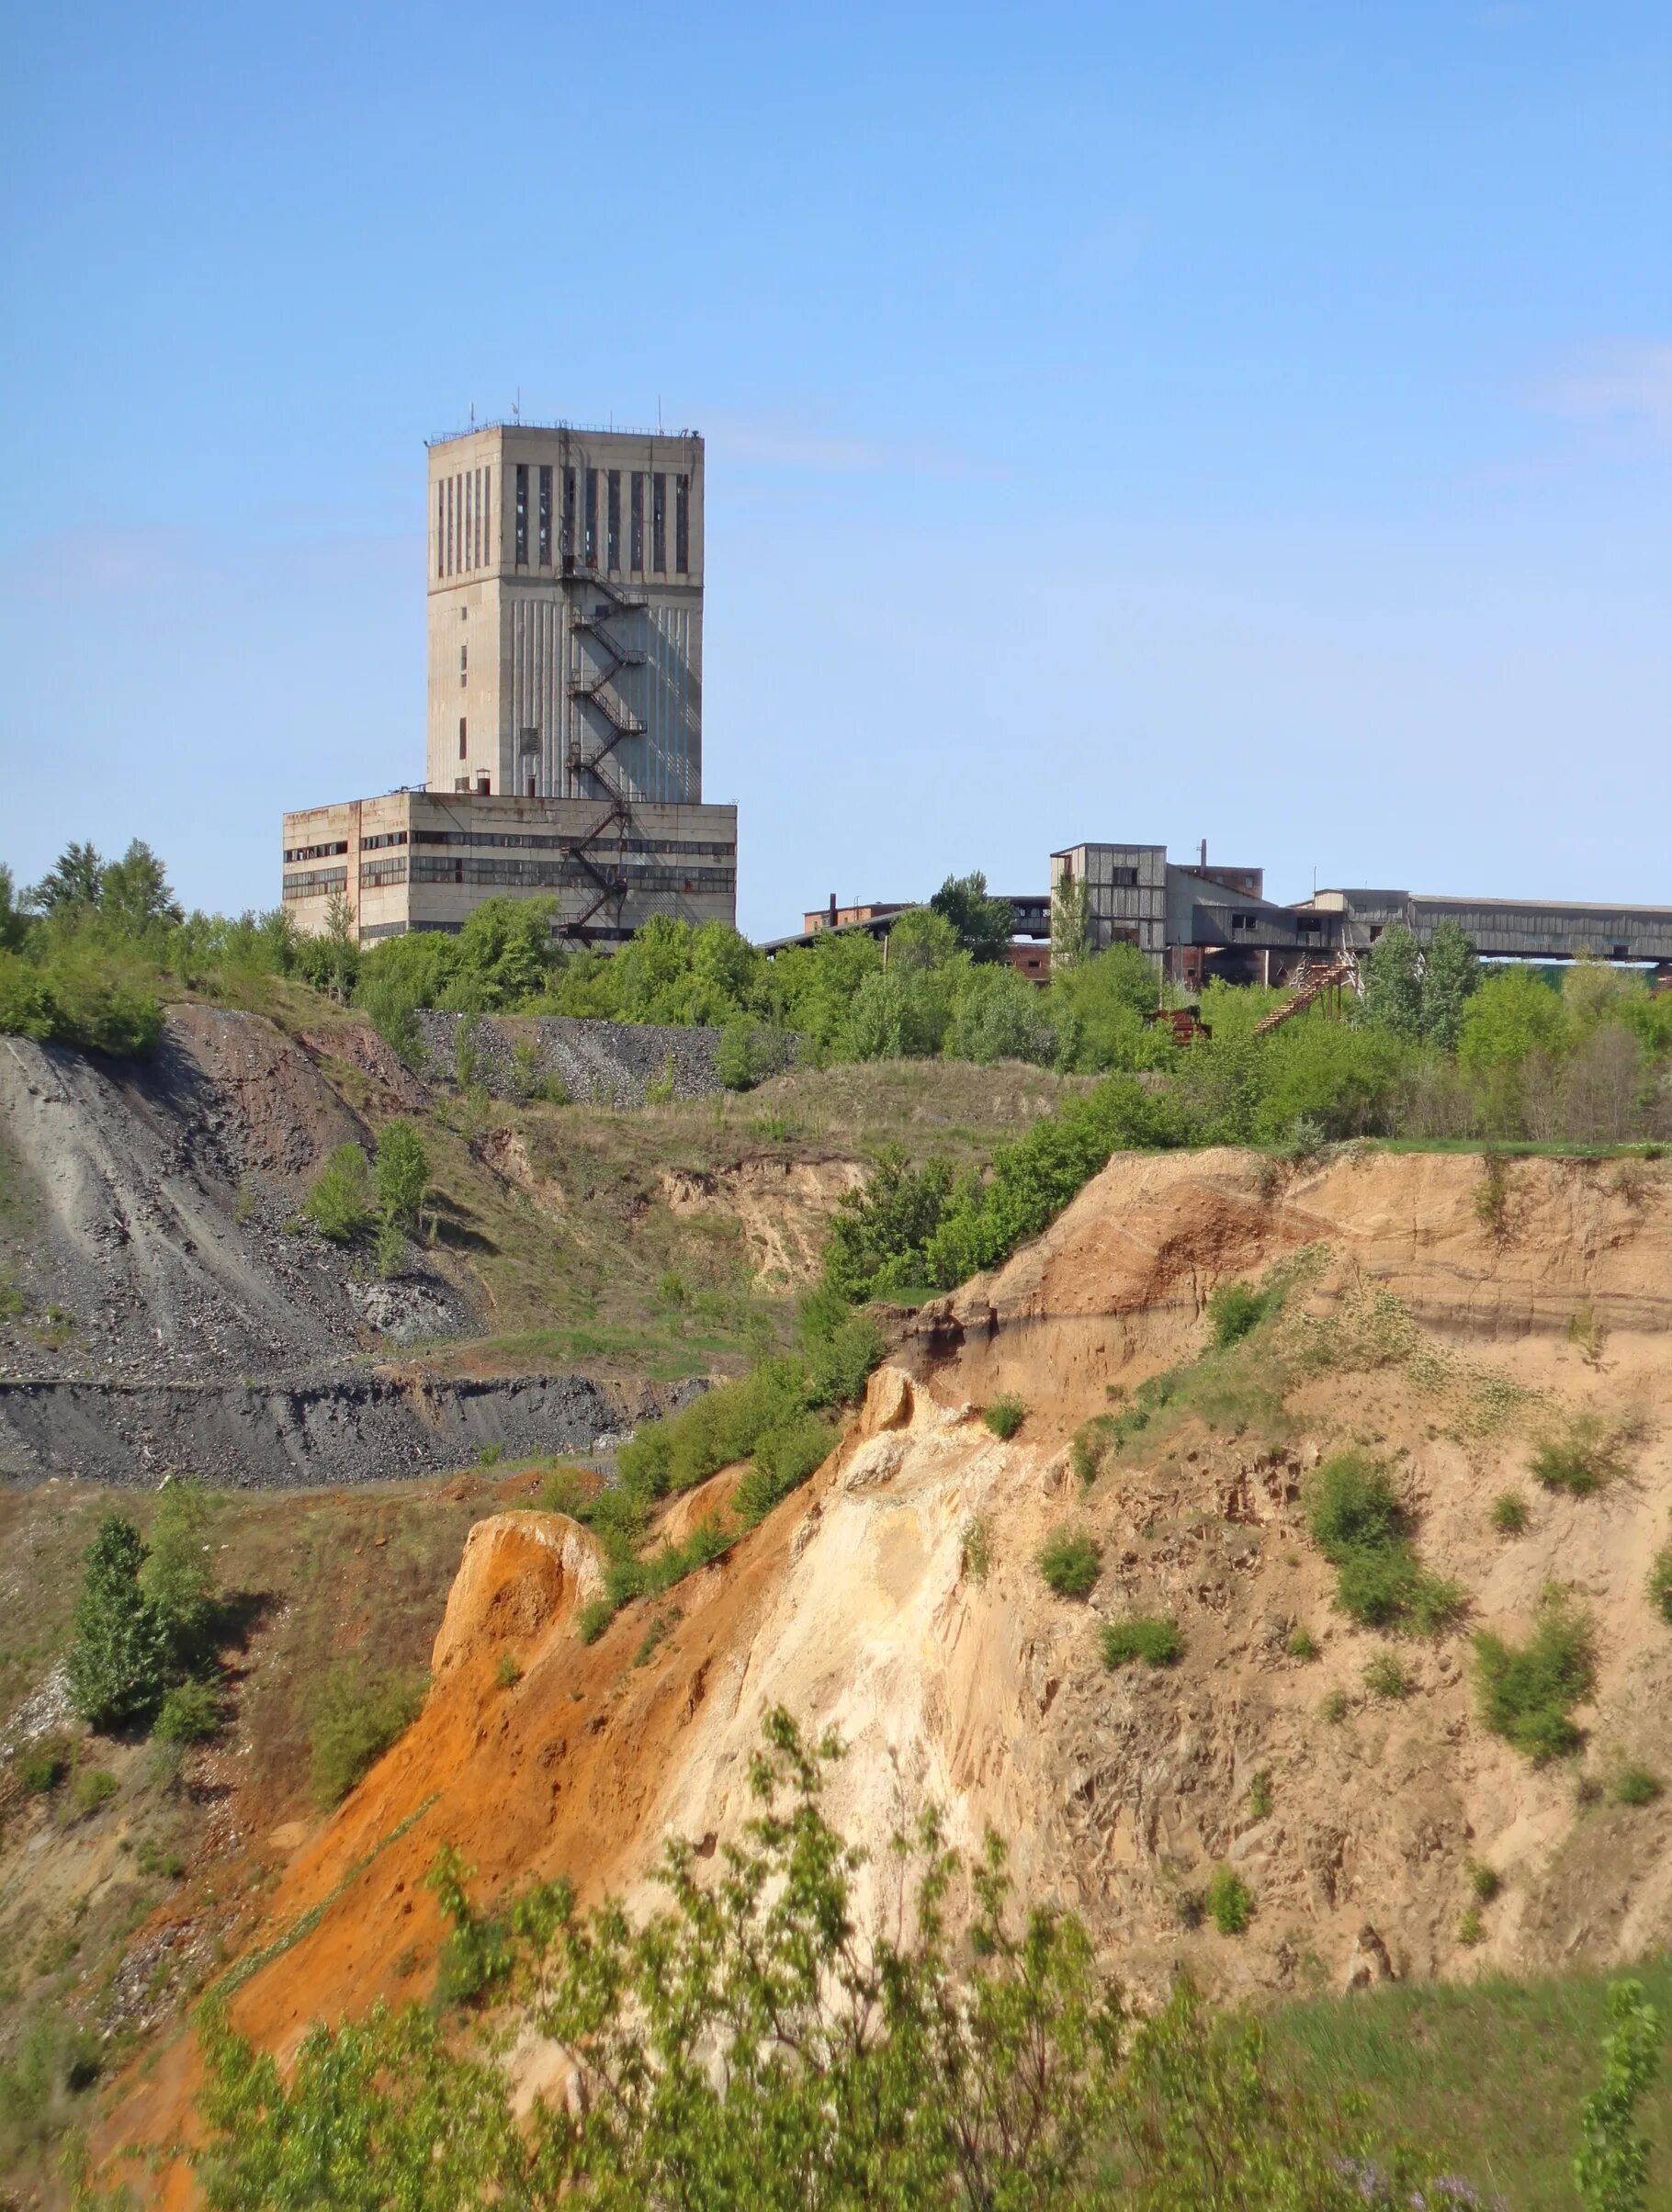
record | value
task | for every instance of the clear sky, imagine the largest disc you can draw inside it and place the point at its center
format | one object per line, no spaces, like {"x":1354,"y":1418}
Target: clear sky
{"x":1241,"y":421}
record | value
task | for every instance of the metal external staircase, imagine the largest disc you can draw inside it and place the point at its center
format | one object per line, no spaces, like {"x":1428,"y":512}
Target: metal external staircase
{"x":1311,"y":982}
{"x":592,"y":688}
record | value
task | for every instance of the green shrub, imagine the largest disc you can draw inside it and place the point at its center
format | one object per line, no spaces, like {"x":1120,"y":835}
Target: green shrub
{"x":1233,"y":1310}
{"x":340,"y":1204}
{"x":177,"y":1576}
{"x":1261,"y":1798}
{"x":1070,"y":1561}
{"x":564,"y":1490}
{"x":507,"y":1673}
{"x":1302,"y":1645}
{"x":784,"y":1458}
{"x":1510,"y":1513}
{"x":92,"y":1787}
{"x":1089,"y":1453}
{"x":1660,"y":1583}
{"x":1005,"y":1415}
{"x":1229,"y":1902}
{"x":1637,"y":1786}
{"x":1384,"y":1677}
{"x":150,"y":1860}
{"x":1361,"y":1527}
{"x":42,"y":1768}
{"x":1471,"y":1927}
{"x":1334,"y":1706}
{"x":593,"y":1618}
{"x":1485,"y":1882}
{"x":357,"y":1713}
{"x":401,"y":1176}
{"x":477,"y":1954}
{"x":1578,"y":1457}
{"x":1158,"y":1642}
{"x":190,"y":1713}
{"x":1525,"y":1692}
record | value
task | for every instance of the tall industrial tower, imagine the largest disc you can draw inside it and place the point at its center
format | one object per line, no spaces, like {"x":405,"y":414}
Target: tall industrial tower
{"x":566,"y":615}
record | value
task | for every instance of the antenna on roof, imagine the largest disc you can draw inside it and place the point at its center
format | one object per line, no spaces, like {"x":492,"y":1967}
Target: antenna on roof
{"x":473,"y":414}
{"x":659,"y":414}
{"x":1202,"y":863}
{"x":516,"y":406}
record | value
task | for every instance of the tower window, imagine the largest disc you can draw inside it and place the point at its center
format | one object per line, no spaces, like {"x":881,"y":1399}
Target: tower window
{"x":441,"y":529}
{"x":569,"y":510}
{"x":592,"y":518}
{"x":613,"y":554}
{"x":637,"y":562}
{"x":659,"y":524}
{"x":464,"y":662}
{"x":476,"y":518}
{"x":682,"y":525}
{"x":449,"y":525}
{"x":522,"y":514}
{"x":461,"y":737}
{"x":545,"y":519}
{"x":490,"y":550}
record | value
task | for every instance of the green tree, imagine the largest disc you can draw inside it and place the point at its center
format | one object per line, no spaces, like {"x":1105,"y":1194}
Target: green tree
{"x":13,"y":921}
{"x":177,"y":1578}
{"x":1513,"y":1013}
{"x":401,"y":1176}
{"x":985,"y":926}
{"x":1070,"y":924}
{"x":1392,"y":985}
{"x":118,"y":1662}
{"x":340,"y":1205}
{"x":134,"y":895}
{"x":1611,"y":2171}
{"x":1001,"y":1015}
{"x":876,"y":1027}
{"x":1451,"y":976}
{"x":71,"y":886}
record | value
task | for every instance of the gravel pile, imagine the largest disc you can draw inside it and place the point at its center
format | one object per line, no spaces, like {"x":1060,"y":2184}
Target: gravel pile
{"x":597,"y":1063}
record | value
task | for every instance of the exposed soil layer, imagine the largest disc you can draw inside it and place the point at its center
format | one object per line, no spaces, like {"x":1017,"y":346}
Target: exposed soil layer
{"x":360,"y":1427}
{"x":1440,"y":1334}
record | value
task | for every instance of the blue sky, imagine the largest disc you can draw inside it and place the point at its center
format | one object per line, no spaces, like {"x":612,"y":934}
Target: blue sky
{"x":1251,"y":421}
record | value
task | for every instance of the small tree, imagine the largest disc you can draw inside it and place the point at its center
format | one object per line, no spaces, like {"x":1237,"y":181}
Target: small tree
{"x":118,"y":1664}
{"x":341,"y":962}
{"x":985,"y":925}
{"x":1070,"y":924}
{"x":134,"y":892}
{"x":71,"y":885}
{"x":403,"y":1176}
{"x":176,"y":1579}
{"x":340,"y":1204}
{"x":1611,"y":2171}
{"x":1392,"y":985}
{"x":1451,"y":976}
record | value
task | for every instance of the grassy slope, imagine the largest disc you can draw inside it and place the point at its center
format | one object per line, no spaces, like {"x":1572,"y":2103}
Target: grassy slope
{"x":1492,"y":2073}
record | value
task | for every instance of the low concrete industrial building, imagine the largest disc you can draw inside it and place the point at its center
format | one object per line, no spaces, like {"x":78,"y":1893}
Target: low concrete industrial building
{"x":1199,"y":921}
{"x":565,"y":756}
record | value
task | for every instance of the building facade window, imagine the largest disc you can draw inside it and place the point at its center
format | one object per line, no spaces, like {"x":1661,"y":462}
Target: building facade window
{"x":476,"y":518}
{"x":522,"y":514}
{"x":461,"y":737}
{"x":464,"y":662}
{"x":592,"y":518}
{"x":545,"y":517}
{"x":659,"y":524}
{"x":491,"y":550}
{"x":568,"y":512}
{"x":636,"y":559}
{"x":441,"y":529}
{"x":682,"y":525}
{"x":449,"y":525}
{"x":613,"y":550}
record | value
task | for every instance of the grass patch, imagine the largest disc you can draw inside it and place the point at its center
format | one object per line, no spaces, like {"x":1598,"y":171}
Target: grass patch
{"x":1525,"y":1691}
{"x":1384,"y":1677}
{"x":508,"y":1671}
{"x":1637,"y":1786}
{"x":1334,"y":1706}
{"x":1261,"y":1798}
{"x":357,"y":1713}
{"x":1005,"y":1415}
{"x":1360,"y":1526}
{"x":1232,"y":1311}
{"x":1485,"y":1882}
{"x":1660,"y":1583}
{"x":1580,"y":1456}
{"x":1156,"y":1641}
{"x":1489,"y":2073}
{"x":1302,"y":1645}
{"x":1070,"y":1561}
{"x":1510,"y":1513}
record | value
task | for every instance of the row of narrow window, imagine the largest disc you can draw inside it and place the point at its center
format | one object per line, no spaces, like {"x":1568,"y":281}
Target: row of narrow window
{"x":464,"y":522}
{"x":590,"y":520}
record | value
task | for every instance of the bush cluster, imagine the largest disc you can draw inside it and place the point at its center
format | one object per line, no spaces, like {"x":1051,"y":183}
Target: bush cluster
{"x":1071,"y":1559}
{"x":1156,"y":1641}
{"x":1360,"y":1526}
{"x":356,"y":1712}
{"x":1527,"y":1691}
